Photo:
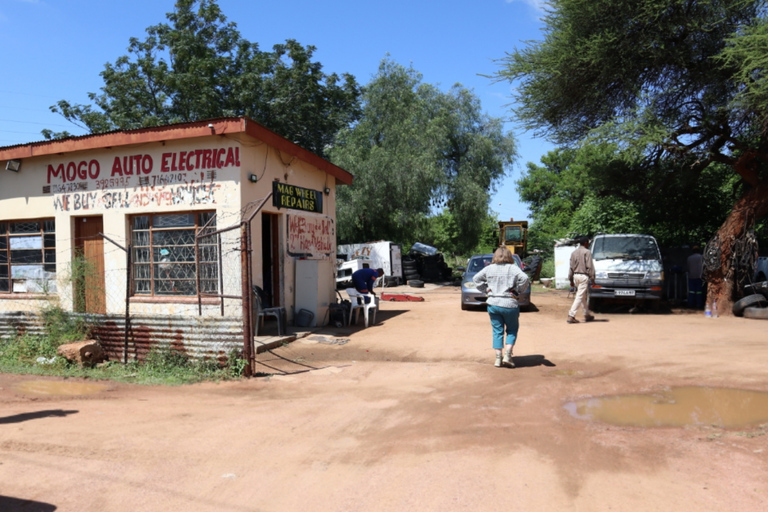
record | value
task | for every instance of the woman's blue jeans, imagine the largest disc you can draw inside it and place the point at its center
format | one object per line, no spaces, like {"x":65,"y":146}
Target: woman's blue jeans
{"x":501,"y":318}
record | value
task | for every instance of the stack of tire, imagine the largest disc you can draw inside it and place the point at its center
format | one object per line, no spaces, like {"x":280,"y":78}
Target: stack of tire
{"x":755,"y":302}
{"x":411,"y":272}
{"x":425,"y":268}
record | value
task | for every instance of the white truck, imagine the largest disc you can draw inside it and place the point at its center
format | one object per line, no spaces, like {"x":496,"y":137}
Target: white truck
{"x":384,"y":255}
{"x":627,"y":266}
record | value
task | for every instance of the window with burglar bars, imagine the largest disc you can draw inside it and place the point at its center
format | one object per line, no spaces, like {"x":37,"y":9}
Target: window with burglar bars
{"x":28,"y":256}
{"x":164,"y":254}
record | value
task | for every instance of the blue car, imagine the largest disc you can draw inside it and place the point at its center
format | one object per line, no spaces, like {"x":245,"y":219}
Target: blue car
{"x":471,"y":297}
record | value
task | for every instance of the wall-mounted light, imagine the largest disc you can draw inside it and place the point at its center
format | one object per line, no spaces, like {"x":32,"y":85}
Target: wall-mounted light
{"x":13,"y":165}
{"x":253,"y":178}
{"x":327,"y":191}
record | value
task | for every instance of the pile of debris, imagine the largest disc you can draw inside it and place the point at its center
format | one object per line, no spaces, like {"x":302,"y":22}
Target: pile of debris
{"x":425,"y":263}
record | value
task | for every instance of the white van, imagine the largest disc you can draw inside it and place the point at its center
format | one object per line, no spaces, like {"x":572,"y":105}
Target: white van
{"x":626,"y":267}
{"x":383,"y":255}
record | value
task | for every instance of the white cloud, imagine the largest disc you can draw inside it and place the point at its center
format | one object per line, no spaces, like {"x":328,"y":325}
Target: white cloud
{"x":539,"y":5}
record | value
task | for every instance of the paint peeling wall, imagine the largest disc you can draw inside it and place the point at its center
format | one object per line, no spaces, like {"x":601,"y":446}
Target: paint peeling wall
{"x":216,"y":173}
{"x":201,"y":174}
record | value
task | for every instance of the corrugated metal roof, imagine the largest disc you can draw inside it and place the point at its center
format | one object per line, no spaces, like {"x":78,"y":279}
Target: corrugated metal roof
{"x":178,"y":131}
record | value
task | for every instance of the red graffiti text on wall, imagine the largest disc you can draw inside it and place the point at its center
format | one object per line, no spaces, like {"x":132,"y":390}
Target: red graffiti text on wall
{"x":310,"y":235}
{"x":142,"y":164}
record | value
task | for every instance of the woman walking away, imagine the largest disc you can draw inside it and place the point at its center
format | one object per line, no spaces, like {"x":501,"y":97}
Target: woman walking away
{"x":502,"y":281}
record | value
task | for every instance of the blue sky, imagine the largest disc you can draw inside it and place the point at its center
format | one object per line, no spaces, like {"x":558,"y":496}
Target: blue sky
{"x":55,"y":49}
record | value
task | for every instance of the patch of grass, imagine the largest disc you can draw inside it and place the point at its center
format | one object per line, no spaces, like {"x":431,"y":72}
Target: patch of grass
{"x":165,"y":365}
{"x":64,"y":327}
{"x":26,"y":349}
{"x":37,"y":355}
{"x":760,"y":431}
{"x":60,"y":328}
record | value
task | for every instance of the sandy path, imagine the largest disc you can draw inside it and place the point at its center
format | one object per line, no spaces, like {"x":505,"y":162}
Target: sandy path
{"x":407,"y":415}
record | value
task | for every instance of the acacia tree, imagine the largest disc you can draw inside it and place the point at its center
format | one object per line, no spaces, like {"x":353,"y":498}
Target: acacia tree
{"x":199,"y":67}
{"x":591,"y":189}
{"x":676,"y":85}
{"x":416,"y":150}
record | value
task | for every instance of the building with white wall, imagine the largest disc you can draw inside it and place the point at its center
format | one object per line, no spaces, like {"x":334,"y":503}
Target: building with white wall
{"x":98,"y":222}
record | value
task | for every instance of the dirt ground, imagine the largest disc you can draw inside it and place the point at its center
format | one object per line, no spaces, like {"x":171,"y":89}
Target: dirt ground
{"x":409,"y":414}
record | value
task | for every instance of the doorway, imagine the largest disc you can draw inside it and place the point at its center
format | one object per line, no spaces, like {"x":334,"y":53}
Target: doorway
{"x":88,"y":266}
{"x":270,"y":257}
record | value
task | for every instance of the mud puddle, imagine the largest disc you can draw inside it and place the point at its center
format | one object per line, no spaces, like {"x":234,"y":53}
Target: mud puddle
{"x":677,"y":407}
{"x":59,"y":388}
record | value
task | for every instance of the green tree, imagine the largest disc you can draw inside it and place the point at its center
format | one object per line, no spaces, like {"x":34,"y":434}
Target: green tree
{"x":676,"y":85}
{"x":553,"y":192}
{"x":442,"y":231}
{"x":416,"y":150}
{"x":584,"y":191}
{"x":199,"y":67}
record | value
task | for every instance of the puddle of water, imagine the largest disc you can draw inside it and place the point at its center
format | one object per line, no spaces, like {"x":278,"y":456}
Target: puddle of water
{"x":52,"y":387}
{"x":677,"y":407}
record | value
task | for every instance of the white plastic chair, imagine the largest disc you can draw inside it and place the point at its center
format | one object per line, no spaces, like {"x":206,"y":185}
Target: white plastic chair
{"x":358,"y":303}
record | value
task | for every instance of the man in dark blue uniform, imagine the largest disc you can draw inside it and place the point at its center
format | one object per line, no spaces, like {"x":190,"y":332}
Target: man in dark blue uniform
{"x":364,"y":279}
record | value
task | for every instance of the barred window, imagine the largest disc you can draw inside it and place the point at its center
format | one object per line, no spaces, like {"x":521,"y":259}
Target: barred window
{"x":164,"y":254}
{"x":28,"y":256}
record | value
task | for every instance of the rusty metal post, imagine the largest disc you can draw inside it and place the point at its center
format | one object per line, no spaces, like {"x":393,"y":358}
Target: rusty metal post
{"x":221,"y":273}
{"x":197,"y":276}
{"x":128,"y":281}
{"x":249,"y":274}
{"x":129,"y":262}
{"x":246,"y":289}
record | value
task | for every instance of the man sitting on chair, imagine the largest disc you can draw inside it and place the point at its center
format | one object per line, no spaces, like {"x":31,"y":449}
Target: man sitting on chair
{"x":364,"y":279}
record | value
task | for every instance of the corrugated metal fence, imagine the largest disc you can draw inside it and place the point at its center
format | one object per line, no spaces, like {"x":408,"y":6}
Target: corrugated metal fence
{"x":198,"y":337}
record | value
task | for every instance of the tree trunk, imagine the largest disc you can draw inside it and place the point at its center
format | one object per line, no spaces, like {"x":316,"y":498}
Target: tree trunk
{"x":752,"y":206}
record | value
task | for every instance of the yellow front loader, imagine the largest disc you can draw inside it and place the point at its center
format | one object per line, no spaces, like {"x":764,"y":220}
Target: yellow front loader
{"x":514,"y":235}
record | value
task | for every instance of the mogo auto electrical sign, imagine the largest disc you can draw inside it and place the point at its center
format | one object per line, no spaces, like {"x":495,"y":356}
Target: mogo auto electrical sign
{"x":181,"y":177}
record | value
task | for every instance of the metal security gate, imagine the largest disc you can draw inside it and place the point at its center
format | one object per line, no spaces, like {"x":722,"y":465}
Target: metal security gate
{"x":246,"y":279}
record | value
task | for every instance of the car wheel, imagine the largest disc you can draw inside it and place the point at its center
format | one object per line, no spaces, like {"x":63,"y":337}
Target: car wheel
{"x":464,"y":307}
{"x":415,"y":283}
{"x":750,"y":300}
{"x":594,"y":304}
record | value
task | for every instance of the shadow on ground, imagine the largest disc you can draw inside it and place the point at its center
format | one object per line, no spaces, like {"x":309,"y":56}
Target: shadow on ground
{"x":18,"y":418}
{"x":531,"y":360}
{"x":8,"y":504}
